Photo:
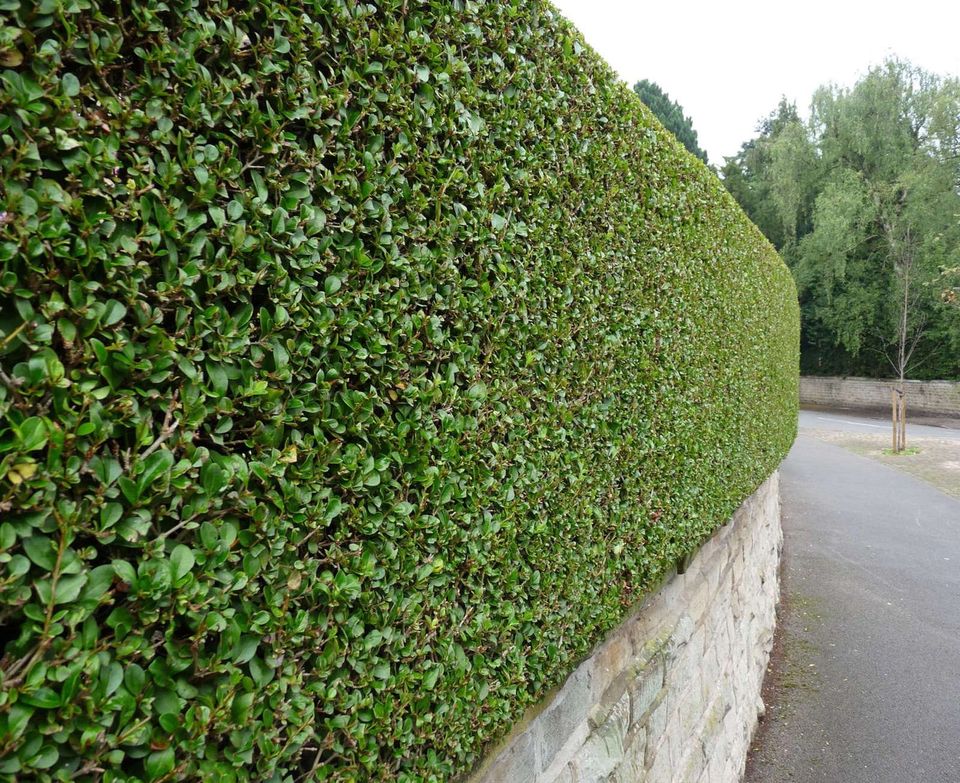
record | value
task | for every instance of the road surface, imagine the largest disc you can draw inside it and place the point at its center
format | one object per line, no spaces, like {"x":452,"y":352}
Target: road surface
{"x":840,"y":421}
{"x":864,"y":685}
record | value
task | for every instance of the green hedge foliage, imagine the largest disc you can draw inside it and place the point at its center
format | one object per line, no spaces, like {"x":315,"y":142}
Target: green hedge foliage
{"x":362,"y":364}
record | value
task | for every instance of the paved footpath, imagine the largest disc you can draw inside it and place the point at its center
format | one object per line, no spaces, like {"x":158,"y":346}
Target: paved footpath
{"x":864,"y":684}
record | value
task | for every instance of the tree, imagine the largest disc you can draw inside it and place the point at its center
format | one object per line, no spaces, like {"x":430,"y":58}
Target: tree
{"x":670,"y":113}
{"x":749,"y":176}
{"x":886,"y":213}
{"x":862,"y":201}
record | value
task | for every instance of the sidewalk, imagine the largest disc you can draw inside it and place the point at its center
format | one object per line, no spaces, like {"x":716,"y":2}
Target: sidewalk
{"x":864,"y":685}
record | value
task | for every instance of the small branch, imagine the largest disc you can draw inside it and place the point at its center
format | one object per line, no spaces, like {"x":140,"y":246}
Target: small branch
{"x":170,"y":425}
{"x":46,"y":639}
{"x":164,"y":435}
{"x":14,"y":333}
{"x":12,"y":383}
{"x":173,"y":530}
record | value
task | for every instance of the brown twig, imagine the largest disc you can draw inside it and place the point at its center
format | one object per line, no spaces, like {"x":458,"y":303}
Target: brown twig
{"x":170,"y":425}
{"x":14,"y":333}
{"x":12,"y":383}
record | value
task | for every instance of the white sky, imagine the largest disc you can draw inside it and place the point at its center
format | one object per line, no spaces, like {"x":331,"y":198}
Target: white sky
{"x":728,"y":63}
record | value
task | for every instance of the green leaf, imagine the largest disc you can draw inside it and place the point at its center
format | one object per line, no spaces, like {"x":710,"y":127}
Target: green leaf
{"x":17,"y":567}
{"x":134,"y":678}
{"x":129,"y":488}
{"x":106,"y":469}
{"x":218,"y":379}
{"x":260,"y":672}
{"x":477,"y":392}
{"x":18,"y":718}
{"x":430,"y":678}
{"x":113,"y":313}
{"x":182,"y":560}
{"x":246,"y":648}
{"x":70,"y":84}
{"x":42,"y":551}
{"x":44,"y":697}
{"x":124,"y":571}
{"x":33,"y":434}
{"x":160,"y":763}
{"x":113,"y":678}
{"x":46,"y":758}
{"x":110,"y":514}
{"x":68,"y":588}
{"x":101,"y":578}
{"x":156,"y":465}
{"x":213,"y":478}
{"x":8,"y":536}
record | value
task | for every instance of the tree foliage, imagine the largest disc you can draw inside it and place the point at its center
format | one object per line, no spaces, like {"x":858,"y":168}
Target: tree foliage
{"x":864,"y":203}
{"x":361,"y":366}
{"x":670,"y":113}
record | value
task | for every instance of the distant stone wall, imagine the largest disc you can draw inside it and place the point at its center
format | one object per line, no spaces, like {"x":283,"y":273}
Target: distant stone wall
{"x":672,"y":695}
{"x":933,"y":398}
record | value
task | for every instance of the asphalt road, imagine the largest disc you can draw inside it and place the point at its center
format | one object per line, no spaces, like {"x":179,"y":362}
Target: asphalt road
{"x":840,"y":421}
{"x":864,"y":684}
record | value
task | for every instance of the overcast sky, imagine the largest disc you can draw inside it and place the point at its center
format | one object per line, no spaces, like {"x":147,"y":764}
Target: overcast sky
{"x":728,"y":62}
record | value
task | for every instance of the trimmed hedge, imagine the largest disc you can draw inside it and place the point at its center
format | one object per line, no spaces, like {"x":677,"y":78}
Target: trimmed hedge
{"x":362,"y":365}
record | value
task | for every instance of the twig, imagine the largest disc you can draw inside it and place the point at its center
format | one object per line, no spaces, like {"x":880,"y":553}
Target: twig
{"x":14,"y":333}
{"x":12,"y":383}
{"x":173,"y":530}
{"x":40,"y":650}
{"x":170,"y":425}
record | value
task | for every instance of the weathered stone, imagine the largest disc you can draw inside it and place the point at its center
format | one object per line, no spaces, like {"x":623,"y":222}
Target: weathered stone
{"x":515,"y":763}
{"x":644,"y":689}
{"x":691,"y":764}
{"x":656,"y":725}
{"x":603,"y":751}
{"x":659,"y":762}
{"x":933,"y":398}
{"x":672,"y":695}
{"x":634,"y":756}
{"x":682,"y":633}
{"x":565,"y":775}
{"x":612,"y":658}
{"x":570,"y":708}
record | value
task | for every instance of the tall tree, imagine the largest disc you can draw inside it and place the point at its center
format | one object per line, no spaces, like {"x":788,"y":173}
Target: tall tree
{"x":862,"y":201}
{"x":670,"y":113}
{"x":748,"y":175}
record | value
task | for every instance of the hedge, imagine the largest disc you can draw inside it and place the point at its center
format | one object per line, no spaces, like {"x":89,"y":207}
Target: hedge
{"x":361,"y":365}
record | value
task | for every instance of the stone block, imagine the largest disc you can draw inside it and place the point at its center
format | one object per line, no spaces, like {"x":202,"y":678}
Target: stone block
{"x":655,"y":724}
{"x":671,"y":696}
{"x":691,"y":765}
{"x":603,"y":751}
{"x":569,"y":710}
{"x":682,"y":632}
{"x":553,"y":768}
{"x":699,"y":601}
{"x":644,"y":689}
{"x":518,"y":762}
{"x":632,"y":768}
{"x":565,"y":775}
{"x":659,"y":765}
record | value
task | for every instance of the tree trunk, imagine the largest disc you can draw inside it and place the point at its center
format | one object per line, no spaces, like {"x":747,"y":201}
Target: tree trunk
{"x":900,"y":404}
{"x":894,"y":428}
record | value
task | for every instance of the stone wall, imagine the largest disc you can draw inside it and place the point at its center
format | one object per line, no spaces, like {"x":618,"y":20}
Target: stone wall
{"x":673,"y":694}
{"x":931,"y":398}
